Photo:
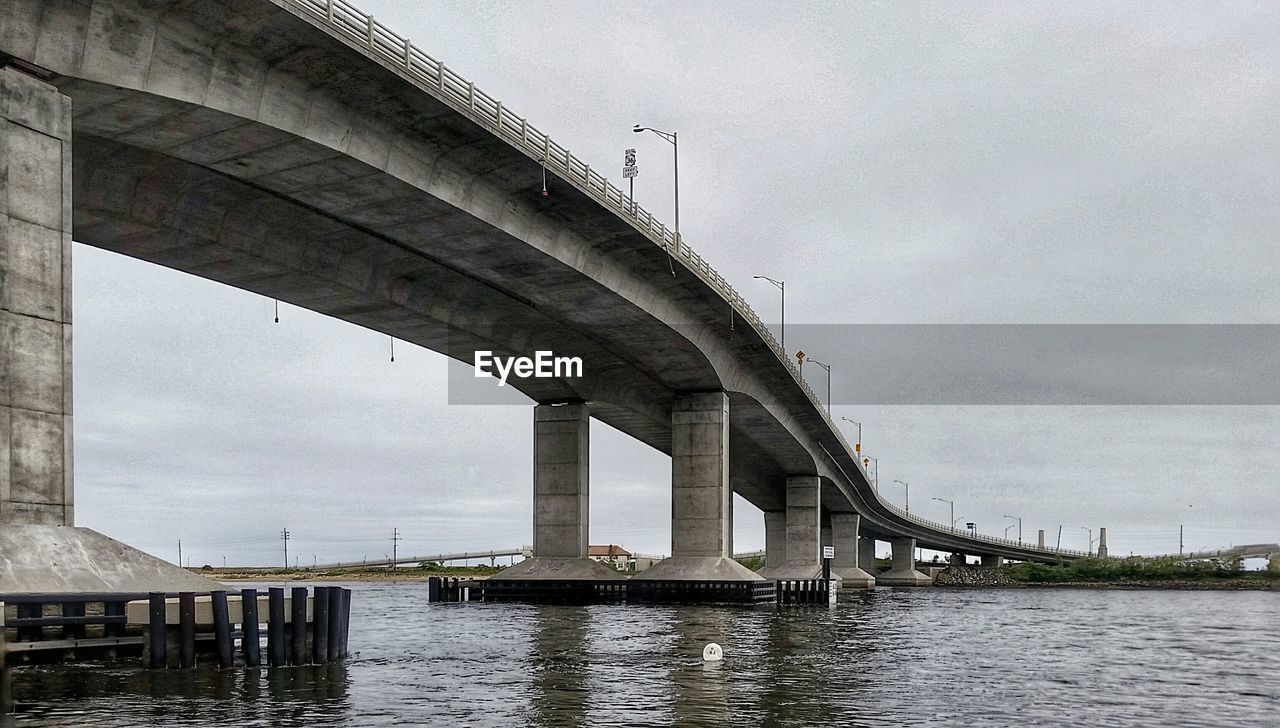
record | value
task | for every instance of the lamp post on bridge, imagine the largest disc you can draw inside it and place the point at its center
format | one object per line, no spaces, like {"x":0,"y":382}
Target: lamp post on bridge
{"x":953,"y":509}
{"x":1019,"y":520}
{"x":866,"y":463}
{"x":906,"y":498}
{"x":671,"y":137}
{"x":782,"y":324}
{"x":1090,"y":530}
{"x":828,"y":368}
{"x":857,"y":446}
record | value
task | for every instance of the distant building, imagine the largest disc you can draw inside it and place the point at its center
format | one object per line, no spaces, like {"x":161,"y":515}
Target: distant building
{"x":613,"y":555}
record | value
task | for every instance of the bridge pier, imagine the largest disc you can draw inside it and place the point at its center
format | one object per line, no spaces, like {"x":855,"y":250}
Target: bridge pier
{"x":37,"y":504}
{"x":803,"y":531}
{"x":990,"y":561}
{"x":561,"y":499}
{"x":867,"y":554}
{"x":775,"y":538}
{"x":903,"y":572}
{"x":35,"y":302}
{"x":701,"y":541}
{"x":959,"y":558}
{"x":847,"y":564}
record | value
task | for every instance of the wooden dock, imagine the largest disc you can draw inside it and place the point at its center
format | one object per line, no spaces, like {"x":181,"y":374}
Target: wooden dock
{"x":176,"y":631}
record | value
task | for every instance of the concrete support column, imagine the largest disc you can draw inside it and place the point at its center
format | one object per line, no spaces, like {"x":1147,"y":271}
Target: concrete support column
{"x":1102,"y":542}
{"x":903,"y":572}
{"x":867,"y":554}
{"x":775,"y":538}
{"x":561,"y":475}
{"x":1040,"y":539}
{"x":561,"y":498}
{"x":35,"y":302}
{"x":991,"y":561}
{"x":846,"y":565}
{"x":803,"y":532}
{"x":700,"y":495}
{"x":958,"y":558}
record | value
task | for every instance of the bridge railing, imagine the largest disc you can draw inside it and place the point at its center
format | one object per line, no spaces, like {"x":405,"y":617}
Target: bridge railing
{"x":431,"y":74}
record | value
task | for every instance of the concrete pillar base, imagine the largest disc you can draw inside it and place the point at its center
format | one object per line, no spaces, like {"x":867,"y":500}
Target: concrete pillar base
{"x":84,"y":561}
{"x":852,"y":577}
{"x":992,"y":561}
{"x":558,"y":568}
{"x":903,"y":572}
{"x":903,"y":577}
{"x":698,"y":568}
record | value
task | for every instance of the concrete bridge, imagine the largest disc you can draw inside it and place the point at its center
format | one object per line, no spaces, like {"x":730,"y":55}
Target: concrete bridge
{"x":302,"y":151}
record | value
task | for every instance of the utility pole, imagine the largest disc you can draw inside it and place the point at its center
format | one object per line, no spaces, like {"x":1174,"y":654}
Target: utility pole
{"x":180,"y":546}
{"x":1179,"y":541}
{"x":395,"y":544}
{"x":284,"y":536}
{"x":1059,"y":538}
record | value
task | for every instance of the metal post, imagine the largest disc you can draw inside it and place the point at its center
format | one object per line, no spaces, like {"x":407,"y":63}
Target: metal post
{"x":298,"y":625}
{"x":675,"y":142}
{"x":221,"y":628}
{"x":187,"y":629}
{"x":157,"y":628}
{"x":276,"y":655}
{"x":249,"y":636}
{"x":320,"y":624}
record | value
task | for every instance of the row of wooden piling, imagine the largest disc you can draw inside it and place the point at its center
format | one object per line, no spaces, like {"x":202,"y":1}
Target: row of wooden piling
{"x":292,"y":639}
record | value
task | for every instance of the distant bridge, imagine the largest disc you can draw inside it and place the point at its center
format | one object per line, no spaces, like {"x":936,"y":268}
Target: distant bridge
{"x":1248,"y":551}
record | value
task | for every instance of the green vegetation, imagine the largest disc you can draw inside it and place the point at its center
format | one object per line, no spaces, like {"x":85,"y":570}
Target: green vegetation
{"x":1135,"y":570}
{"x":754,"y":563}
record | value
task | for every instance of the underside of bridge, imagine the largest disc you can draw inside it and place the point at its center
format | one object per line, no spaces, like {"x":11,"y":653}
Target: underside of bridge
{"x":243,"y":143}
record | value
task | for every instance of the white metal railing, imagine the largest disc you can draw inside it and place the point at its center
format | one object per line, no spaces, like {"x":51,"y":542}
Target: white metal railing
{"x":359,"y":29}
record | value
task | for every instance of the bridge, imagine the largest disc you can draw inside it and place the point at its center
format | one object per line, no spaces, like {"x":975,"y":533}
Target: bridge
{"x":300,"y":150}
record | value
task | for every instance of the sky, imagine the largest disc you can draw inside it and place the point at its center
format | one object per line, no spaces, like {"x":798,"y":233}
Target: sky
{"x":894,"y":163}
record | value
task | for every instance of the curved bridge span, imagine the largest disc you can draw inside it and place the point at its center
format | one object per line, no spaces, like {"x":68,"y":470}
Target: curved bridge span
{"x":300,"y":150}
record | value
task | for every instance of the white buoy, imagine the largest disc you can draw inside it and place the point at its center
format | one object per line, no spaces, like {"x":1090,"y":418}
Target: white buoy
{"x":712,"y":652}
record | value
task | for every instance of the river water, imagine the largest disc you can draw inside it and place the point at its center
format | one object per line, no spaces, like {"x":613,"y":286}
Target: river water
{"x":940,"y":657}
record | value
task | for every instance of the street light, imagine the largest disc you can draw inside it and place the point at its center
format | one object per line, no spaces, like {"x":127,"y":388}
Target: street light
{"x":1090,"y":530}
{"x":857,"y":446}
{"x":875,"y":479}
{"x":782,"y":326}
{"x":1019,"y":520}
{"x":907,"y":497}
{"x":828,"y":368}
{"x":1006,"y":531}
{"x":953,"y":509}
{"x":671,"y":137}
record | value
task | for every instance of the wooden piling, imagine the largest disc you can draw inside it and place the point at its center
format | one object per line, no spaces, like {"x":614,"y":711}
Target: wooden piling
{"x":346,"y":623}
{"x":221,"y":628}
{"x":114,"y":609}
{"x":275,"y":626}
{"x":334,"y":652}
{"x":320,"y":626}
{"x":73,"y":610}
{"x":156,"y":631}
{"x":298,"y":627}
{"x":187,"y":629}
{"x":249,"y":639}
{"x":433,"y":588}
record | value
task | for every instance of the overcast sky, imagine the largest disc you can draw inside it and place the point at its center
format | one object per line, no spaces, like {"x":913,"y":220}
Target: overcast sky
{"x":894,"y":163}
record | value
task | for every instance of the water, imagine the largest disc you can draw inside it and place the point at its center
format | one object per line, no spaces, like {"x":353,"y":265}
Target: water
{"x":904,"y":657}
